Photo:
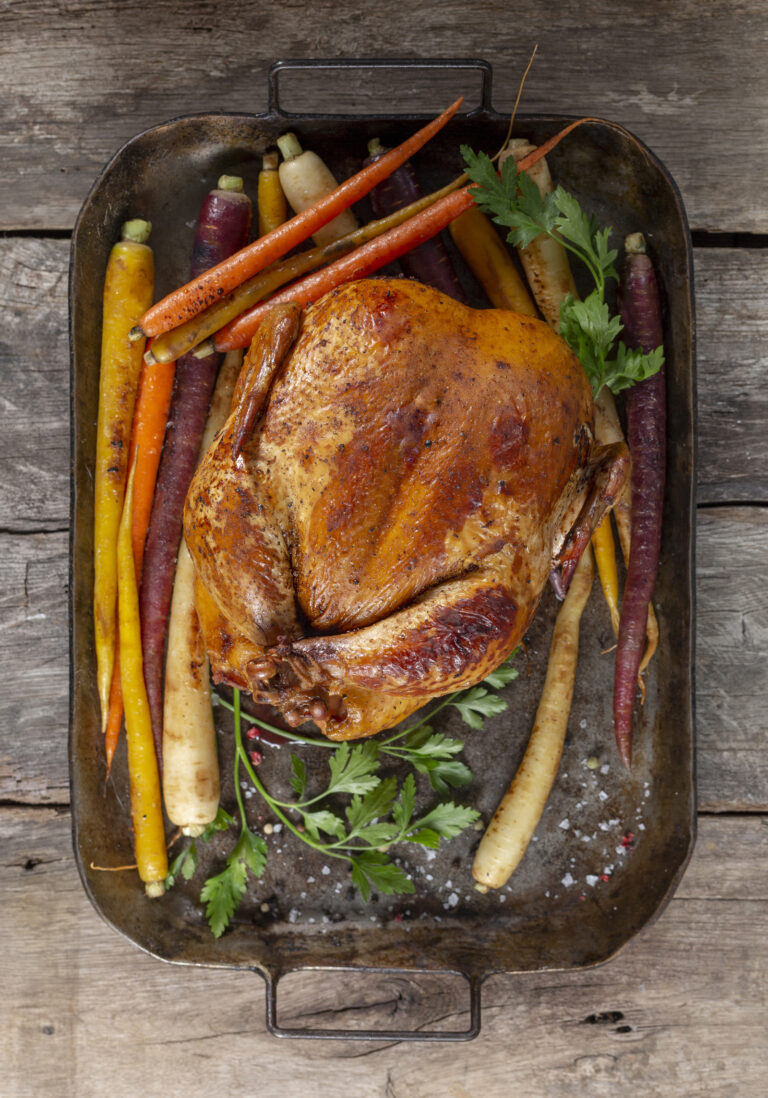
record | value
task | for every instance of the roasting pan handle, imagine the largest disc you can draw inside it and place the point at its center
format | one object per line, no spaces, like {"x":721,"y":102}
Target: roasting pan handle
{"x":454,"y":64}
{"x":316,"y":1034}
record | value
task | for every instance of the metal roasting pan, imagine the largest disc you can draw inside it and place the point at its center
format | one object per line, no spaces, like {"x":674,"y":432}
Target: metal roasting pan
{"x":611,"y":846}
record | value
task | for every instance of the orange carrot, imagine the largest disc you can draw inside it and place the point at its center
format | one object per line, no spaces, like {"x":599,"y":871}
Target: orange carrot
{"x":370,"y":257}
{"x":201,"y":292}
{"x":147,"y":432}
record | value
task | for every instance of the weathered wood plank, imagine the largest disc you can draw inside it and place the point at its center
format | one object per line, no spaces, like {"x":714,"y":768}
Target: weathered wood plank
{"x":731,"y":665}
{"x":680,"y":1010}
{"x":732,"y":668}
{"x":34,"y":493}
{"x":34,"y":654}
{"x":75,"y":91}
{"x":732,"y":351}
{"x":34,"y":366}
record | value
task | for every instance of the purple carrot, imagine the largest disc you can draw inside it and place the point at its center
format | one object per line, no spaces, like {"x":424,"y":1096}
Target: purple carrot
{"x":646,"y":435}
{"x":430,"y":263}
{"x":223,"y":227}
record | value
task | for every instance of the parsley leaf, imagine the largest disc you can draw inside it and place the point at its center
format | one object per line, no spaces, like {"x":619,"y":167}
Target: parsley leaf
{"x":372,"y":868}
{"x":298,"y":776}
{"x":449,"y":819}
{"x":477,"y":704}
{"x":363,"y":810}
{"x":588,"y":327}
{"x":503,"y":675}
{"x":222,"y":894}
{"x":353,"y":770}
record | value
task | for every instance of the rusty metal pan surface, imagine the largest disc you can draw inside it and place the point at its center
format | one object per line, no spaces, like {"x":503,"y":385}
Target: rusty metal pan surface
{"x":611,"y":845}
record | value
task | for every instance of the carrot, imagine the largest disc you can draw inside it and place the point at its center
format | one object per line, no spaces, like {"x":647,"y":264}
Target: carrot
{"x":270,"y":200}
{"x":371,"y":256}
{"x":608,"y":430}
{"x":605,"y":558}
{"x":195,"y":332}
{"x":203,"y":290}
{"x":430,"y":262}
{"x":149,"y":419}
{"x":146,"y":802}
{"x":190,"y":765}
{"x":646,"y":434}
{"x":487,"y":257}
{"x":514,"y":821}
{"x":306,"y":179}
{"x":545,"y":260}
{"x":223,"y":225}
{"x":128,"y":288}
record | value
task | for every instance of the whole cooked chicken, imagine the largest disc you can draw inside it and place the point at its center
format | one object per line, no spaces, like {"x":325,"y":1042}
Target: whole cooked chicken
{"x":376,"y":522}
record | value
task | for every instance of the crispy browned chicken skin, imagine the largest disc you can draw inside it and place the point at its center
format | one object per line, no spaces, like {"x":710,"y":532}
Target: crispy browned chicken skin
{"x":376,"y":522}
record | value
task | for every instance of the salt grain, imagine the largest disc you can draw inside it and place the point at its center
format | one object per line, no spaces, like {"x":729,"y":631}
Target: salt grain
{"x":591,"y":879}
{"x":568,"y":880}
{"x":565,"y":824}
{"x":452,"y":900}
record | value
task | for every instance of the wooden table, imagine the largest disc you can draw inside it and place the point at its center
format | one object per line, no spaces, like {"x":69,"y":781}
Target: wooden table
{"x":681,"y":1011}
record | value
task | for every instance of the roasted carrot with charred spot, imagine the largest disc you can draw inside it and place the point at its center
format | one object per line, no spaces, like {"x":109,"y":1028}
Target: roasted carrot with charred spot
{"x":223,"y":225}
{"x":545,"y":260}
{"x":646,"y":434}
{"x":128,"y":288}
{"x":272,"y":209}
{"x":146,"y":801}
{"x":203,"y":290}
{"x":514,"y":821}
{"x":486,"y":255}
{"x":371,"y":256}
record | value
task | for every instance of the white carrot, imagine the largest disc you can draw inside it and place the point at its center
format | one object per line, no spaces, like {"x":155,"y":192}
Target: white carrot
{"x":514,"y":821}
{"x":305,"y":178}
{"x":544,"y":260}
{"x":190,"y":764}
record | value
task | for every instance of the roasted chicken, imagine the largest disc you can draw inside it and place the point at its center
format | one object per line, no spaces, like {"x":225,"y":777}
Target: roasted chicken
{"x":375,"y":524}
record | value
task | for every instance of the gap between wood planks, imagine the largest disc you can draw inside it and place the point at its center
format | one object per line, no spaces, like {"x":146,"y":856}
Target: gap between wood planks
{"x":700,"y":238}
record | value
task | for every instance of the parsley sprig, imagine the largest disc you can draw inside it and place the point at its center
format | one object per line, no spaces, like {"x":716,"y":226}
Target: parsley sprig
{"x":513,"y":200}
{"x":380,"y":813}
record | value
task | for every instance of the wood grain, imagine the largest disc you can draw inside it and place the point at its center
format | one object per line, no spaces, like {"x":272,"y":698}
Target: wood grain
{"x":76,"y":85}
{"x":94,"y":1009}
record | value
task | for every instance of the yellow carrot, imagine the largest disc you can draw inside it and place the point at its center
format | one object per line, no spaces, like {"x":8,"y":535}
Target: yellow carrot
{"x":146,"y":802}
{"x":271,"y":204}
{"x":128,"y":292}
{"x":514,"y":821}
{"x":605,"y":558}
{"x":487,"y":257}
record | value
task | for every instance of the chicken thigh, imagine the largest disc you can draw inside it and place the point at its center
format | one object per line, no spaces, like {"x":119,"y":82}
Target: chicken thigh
{"x":376,"y":522}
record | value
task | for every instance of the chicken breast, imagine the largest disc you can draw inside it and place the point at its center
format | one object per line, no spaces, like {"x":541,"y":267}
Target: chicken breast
{"x":376,"y":522}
